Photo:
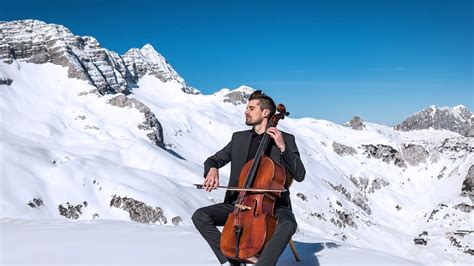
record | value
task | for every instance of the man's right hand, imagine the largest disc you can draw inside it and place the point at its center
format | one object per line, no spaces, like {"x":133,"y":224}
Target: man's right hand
{"x":212,"y":179}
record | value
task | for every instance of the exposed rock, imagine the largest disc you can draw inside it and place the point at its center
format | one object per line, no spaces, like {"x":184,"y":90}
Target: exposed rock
{"x":377,"y":184}
{"x":151,"y":123}
{"x":436,"y":210}
{"x":464,"y":207}
{"x":341,"y":189}
{"x":384,"y":152}
{"x":360,"y":182}
{"x":456,"y":238}
{"x":320,"y":216}
{"x":6,"y":81}
{"x":237,"y":97}
{"x":367,"y":186}
{"x":38,"y":42}
{"x":302,"y":196}
{"x":91,"y":127}
{"x":139,"y":211}
{"x":422,"y":238}
{"x":362,"y":202}
{"x":420,"y":241}
{"x":456,"y":146}
{"x":120,"y":101}
{"x":457,"y":119}
{"x":147,"y":61}
{"x":176,"y":220}
{"x":344,"y":219}
{"x":341,"y":236}
{"x":455,"y":242}
{"x":355,"y":123}
{"x":342,"y":149}
{"x":36,"y":202}
{"x":471,"y":131}
{"x":441,"y":174}
{"x":70,"y":211}
{"x":414,"y":154}
{"x":358,"y":199}
{"x":467,"y":189}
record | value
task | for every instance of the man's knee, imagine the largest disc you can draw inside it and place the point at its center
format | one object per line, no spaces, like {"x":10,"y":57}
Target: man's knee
{"x":199,"y":217}
{"x":288,"y":225}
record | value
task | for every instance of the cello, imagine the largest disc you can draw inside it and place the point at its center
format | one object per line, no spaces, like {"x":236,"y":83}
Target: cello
{"x":252,"y":223}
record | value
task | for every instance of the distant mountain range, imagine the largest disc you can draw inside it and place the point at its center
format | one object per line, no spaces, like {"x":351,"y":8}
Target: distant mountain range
{"x":38,"y":42}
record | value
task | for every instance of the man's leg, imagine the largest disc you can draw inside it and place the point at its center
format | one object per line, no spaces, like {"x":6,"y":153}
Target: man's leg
{"x":207,"y":219}
{"x":286,"y":227}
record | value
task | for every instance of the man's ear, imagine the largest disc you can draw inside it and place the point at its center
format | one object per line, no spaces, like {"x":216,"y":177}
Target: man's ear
{"x":266,"y":112}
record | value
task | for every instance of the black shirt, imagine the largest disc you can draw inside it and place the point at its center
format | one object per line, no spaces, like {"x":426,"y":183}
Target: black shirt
{"x":255,"y":142}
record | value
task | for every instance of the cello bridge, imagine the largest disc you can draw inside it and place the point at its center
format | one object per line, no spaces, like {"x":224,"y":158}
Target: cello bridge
{"x":243,"y":207}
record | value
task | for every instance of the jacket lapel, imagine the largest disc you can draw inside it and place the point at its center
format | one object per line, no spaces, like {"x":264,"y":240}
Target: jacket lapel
{"x":240,"y":150}
{"x":244,"y":145}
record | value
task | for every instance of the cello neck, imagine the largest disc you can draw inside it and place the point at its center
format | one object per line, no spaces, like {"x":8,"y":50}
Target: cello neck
{"x":273,"y":122}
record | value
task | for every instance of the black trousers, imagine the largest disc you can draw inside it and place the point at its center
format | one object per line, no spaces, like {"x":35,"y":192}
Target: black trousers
{"x":207,"y":219}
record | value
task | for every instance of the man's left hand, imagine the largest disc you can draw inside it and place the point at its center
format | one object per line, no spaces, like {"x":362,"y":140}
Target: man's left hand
{"x":276,"y":135}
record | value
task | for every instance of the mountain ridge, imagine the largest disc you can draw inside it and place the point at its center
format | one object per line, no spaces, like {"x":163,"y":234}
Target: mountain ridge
{"x":38,"y":42}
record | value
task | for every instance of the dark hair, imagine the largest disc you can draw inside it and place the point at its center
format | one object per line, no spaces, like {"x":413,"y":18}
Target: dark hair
{"x":265,"y":101}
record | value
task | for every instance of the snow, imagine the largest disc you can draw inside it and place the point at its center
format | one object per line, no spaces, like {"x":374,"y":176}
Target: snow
{"x":60,"y":143}
{"x":125,"y":243}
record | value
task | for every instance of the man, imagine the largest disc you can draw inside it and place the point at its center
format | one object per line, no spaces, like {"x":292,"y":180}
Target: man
{"x":243,"y":146}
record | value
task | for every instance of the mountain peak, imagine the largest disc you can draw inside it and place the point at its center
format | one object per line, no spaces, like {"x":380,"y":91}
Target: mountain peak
{"x":151,"y":55}
{"x":457,"y":119}
{"x":148,"y":46}
{"x":236,"y":96}
{"x":149,"y":61}
{"x":38,"y":42}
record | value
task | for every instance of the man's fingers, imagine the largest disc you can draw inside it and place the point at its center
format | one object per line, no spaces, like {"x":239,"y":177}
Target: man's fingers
{"x":273,"y":132}
{"x":212,"y":180}
{"x":207,"y":183}
{"x":211,"y":183}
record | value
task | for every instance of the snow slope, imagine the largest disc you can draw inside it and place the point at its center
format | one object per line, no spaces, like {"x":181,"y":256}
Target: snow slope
{"x":64,"y":144}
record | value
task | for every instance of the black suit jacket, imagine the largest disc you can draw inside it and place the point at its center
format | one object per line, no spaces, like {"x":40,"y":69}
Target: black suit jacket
{"x":236,"y":152}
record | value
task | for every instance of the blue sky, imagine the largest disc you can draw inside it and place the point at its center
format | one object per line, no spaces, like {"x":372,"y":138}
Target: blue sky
{"x":380,"y":59}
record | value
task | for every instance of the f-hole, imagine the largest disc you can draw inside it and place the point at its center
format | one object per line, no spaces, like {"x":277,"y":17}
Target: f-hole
{"x":255,"y":203}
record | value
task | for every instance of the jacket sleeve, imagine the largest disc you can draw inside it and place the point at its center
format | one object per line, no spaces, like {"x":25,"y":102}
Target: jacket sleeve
{"x":219,"y":159}
{"x":291,"y":159}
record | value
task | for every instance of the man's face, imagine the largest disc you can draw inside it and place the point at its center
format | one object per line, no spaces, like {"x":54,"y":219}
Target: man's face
{"x":253,"y":114}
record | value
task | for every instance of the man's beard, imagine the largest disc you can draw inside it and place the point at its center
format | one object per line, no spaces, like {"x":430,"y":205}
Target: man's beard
{"x":253,"y":123}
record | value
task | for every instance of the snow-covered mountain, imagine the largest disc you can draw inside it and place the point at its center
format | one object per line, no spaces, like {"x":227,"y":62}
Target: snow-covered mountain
{"x":90,"y":135}
{"x":458,"y":119}
{"x":38,"y":42}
